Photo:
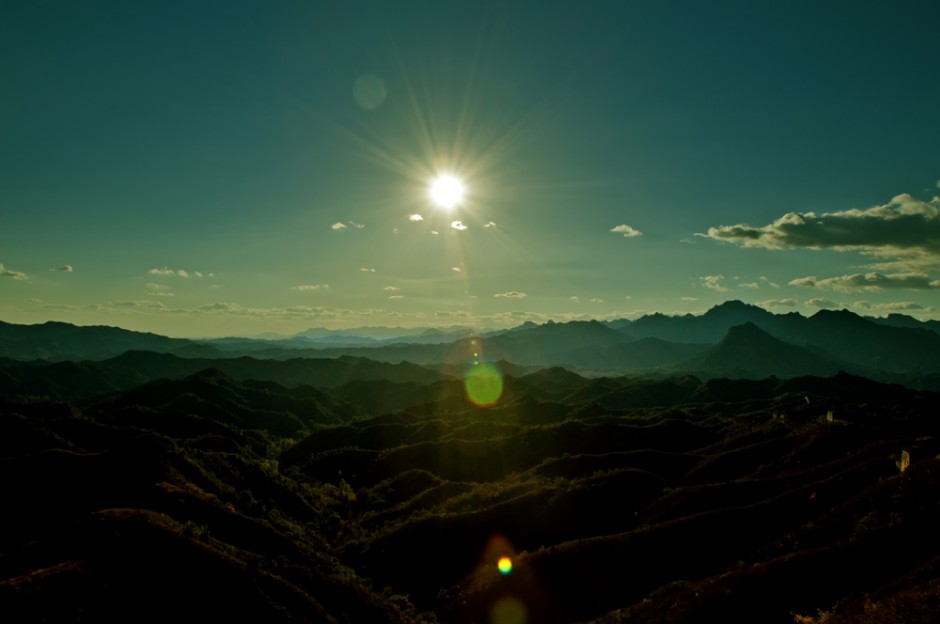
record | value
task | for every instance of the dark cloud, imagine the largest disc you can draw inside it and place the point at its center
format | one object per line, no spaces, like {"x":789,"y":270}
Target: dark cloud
{"x":904,"y":233}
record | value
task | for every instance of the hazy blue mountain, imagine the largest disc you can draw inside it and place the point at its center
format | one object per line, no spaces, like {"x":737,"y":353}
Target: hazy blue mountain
{"x":64,"y":341}
{"x":751,"y":353}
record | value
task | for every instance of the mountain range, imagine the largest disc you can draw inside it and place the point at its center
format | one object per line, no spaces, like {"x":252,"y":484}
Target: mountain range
{"x":733,"y":339}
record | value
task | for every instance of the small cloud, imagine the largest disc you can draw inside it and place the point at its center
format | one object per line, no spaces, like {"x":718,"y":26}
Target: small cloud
{"x":489,"y":224}
{"x":687,"y":241}
{"x":435,"y":232}
{"x":455,"y":269}
{"x":358,"y":226}
{"x":458,"y":225}
{"x":17,"y":275}
{"x":512,"y":294}
{"x":396,"y":297}
{"x":896,"y":306}
{"x":767,"y":281}
{"x":575,"y":298}
{"x":626,"y":230}
{"x":821,"y":303}
{"x":215,"y":286}
{"x":395,"y":230}
{"x":339,"y":225}
{"x":751,"y":285}
{"x":63,"y":269}
{"x":391,"y":288}
{"x":596,"y":300}
{"x":156,"y":287}
{"x":168,"y":272}
{"x":713,"y":282}
{"x":688,"y":299}
{"x":779,"y":303}
{"x":415,"y":217}
{"x":309,"y":287}
{"x":367,"y":270}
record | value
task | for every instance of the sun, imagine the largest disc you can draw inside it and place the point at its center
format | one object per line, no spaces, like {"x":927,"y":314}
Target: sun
{"x":446,"y":191}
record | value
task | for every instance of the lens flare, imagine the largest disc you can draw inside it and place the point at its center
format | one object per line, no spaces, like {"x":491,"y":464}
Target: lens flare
{"x":484,"y":384}
{"x":504,"y":565}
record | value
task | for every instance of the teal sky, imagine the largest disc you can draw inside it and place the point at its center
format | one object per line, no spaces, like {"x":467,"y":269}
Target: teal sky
{"x":219,"y":168}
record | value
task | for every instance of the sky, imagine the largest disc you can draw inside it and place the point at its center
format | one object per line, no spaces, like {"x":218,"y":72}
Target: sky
{"x":234,"y":168}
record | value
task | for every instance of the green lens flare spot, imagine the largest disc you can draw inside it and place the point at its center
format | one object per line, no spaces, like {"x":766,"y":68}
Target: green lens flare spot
{"x":484,"y":384}
{"x":504,"y":565}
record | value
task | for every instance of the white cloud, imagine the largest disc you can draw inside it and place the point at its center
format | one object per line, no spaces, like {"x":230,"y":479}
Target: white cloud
{"x":358,"y":226}
{"x":415,"y":217}
{"x":391,"y":288}
{"x":458,"y":225}
{"x":767,"y":281}
{"x":688,"y":299}
{"x":396,"y":297}
{"x":779,"y":303}
{"x":824,"y":304}
{"x":156,"y":287}
{"x":575,"y":298}
{"x":512,"y":294}
{"x":435,"y":232}
{"x":17,"y":275}
{"x":489,"y":224}
{"x":596,"y":300}
{"x":339,"y":225}
{"x":751,"y":285}
{"x":367,"y":270}
{"x":903,"y":234}
{"x":869,"y":282}
{"x":168,"y":272}
{"x":309,"y":287}
{"x":455,"y":269}
{"x":896,"y":306}
{"x":626,"y":230}
{"x":713,"y":282}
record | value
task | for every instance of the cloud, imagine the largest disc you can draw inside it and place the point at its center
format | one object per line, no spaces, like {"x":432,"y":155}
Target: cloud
{"x":779,"y":303}
{"x":156,"y":287}
{"x":358,"y":226}
{"x":391,"y":288}
{"x":713,"y":282}
{"x":896,"y":306}
{"x":688,"y":299}
{"x":596,"y":300}
{"x":751,"y":285}
{"x":435,"y":232}
{"x":626,"y":230}
{"x":396,"y":297}
{"x":575,"y":298}
{"x":512,"y":294}
{"x":168,"y":272}
{"x":309,"y":287}
{"x":903,"y":234}
{"x":64,"y":269}
{"x":458,"y":225}
{"x":869,"y":282}
{"x":339,"y":225}
{"x":415,"y":217}
{"x":767,"y":281}
{"x":456,"y":269}
{"x":824,"y":304}
{"x":489,"y":224}
{"x":367,"y":270}
{"x":17,"y":275}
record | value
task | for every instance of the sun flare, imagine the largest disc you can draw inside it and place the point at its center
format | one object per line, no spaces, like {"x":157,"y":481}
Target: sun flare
{"x":446,"y":191}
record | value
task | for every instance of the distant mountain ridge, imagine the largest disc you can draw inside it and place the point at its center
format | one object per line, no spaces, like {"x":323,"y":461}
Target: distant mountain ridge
{"x":897,"y":348}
